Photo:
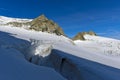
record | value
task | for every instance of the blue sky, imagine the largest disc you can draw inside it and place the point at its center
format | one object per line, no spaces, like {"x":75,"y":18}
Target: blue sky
{"x":73,"y":16}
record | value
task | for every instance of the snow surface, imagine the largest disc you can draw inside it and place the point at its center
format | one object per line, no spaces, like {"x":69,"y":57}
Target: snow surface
{"x":76,"y":68}
{"x":14,"y":66}
{"x":100,"y":45}
{"x":4,"y":20}
{"x":16,"y":44}
{"x":90,"y":49}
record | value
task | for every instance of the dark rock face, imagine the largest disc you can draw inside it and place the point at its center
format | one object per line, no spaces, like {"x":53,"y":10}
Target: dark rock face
{"x":80,"y":35}
{"x":43,"y":24}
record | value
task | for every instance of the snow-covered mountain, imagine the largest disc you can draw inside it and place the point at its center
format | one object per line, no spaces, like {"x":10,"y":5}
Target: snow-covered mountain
{"x":18,"y":45}
{"x":41,"y":23}
{"x":5,"y":20}
{"x":8,"y":21}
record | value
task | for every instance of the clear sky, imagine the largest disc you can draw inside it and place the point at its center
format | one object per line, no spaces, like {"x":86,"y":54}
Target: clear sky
{"x":101,"y":16}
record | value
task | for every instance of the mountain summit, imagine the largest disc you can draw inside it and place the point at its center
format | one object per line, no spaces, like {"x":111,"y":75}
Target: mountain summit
{"x":80,"y":35}
{"x":43,"y":24}
{"x":41,"y":18}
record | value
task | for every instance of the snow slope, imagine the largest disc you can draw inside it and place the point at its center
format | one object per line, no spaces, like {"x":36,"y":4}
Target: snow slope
{"x":4,"y":20}
{"x":100,"y":45}
{"x":14,"y":66}
{"x":17,"y":43}
{"x":91,"y":49}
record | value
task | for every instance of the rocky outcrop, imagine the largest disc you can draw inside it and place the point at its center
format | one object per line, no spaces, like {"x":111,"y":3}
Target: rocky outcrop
{"x":43,"y":24}
{"x":18,"y":24}
{"x":40,"y":23}
{"x":91,"y":33}
{"x":80,"y":35}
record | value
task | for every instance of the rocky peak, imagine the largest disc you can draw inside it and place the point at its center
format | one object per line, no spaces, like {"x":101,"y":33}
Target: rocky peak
{"x":43,"y":24}
{"x":42,"y":18}
{"x":80,"y":35}
{"x":91,"y":33}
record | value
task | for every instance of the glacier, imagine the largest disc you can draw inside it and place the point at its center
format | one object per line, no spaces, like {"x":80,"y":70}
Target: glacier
{"x":35,"y":55}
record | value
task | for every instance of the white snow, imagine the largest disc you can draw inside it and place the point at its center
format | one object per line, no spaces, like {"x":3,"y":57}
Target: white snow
{"x":14,"y":66}
{"x":90,"y":49}
{"x":40,"y":48}
{"x":39,"y":44}
{"x":4,"y":20}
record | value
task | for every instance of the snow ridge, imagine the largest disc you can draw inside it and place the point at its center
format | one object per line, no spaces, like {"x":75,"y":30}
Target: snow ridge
{"x":4,"y":20}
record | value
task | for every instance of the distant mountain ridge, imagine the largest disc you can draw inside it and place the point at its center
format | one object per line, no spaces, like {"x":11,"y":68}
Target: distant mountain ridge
{"x":41,"y":23}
